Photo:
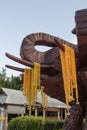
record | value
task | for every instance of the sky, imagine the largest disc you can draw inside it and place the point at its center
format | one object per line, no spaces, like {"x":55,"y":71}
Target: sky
{"x":19,"y":18}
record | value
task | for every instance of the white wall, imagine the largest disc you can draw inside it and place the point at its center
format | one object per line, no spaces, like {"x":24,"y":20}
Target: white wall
{"x":15,"y":109}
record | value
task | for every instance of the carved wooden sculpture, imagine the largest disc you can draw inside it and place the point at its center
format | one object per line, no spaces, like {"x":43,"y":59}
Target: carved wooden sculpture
{"x":51,"y":73}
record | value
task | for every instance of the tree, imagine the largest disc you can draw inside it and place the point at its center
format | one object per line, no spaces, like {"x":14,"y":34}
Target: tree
{"x":13,"y":82}
{"x":2,"y":77}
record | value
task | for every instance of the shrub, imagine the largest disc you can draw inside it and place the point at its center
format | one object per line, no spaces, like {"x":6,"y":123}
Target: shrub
{"x":26,"y":123}
{"x":53,"y":125}
{"x":34,"y":123}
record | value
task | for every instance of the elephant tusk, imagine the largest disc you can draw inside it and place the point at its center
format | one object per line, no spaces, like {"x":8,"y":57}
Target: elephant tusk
{"x":15,"y":68}
{"x":14,"y":58}
{"x":27,"y":63}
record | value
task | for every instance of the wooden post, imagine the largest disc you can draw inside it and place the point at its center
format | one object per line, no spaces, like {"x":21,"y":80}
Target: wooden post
{"x":35,"y":112}
{"x":43,"y":113}
{"x":6,"y":122}
{"x":58,"y":114}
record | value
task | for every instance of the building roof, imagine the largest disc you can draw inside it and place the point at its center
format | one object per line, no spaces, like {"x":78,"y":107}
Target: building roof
{"x":16,"y":97}
{"x":13,"y":96}
{"x":52,"y":102}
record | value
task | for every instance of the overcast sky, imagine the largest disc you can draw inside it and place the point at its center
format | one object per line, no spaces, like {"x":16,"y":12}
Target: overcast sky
{"x":19,"y":18}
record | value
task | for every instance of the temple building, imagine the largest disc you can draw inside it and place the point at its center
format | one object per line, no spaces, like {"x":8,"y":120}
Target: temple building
{"x":13,"y":103}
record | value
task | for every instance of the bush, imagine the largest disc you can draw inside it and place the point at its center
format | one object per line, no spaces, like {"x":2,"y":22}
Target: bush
{"x":53,"y":125}
{"x":26,"y":123}
{"x":34,"y":123}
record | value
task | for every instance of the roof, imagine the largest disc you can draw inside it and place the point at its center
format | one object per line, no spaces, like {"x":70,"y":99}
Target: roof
{"x":52,"y":102}
{"x":16,"y":97}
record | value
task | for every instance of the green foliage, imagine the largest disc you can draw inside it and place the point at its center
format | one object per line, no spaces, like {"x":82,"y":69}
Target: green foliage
{"x":2,"y":77}
{"x":34,"y":123}
{"x":53,"y":125}
{"x":26,"y":123}
{"x":13,"y":82}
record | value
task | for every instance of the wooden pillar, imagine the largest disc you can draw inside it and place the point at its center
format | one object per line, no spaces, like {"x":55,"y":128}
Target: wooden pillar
{"x":58,"y":114}
{"x":35,"y":112}
{"x":6,"y":122}
{"x":43,"y":113}
{"x":65,"y":113}
{"x":22,"y":115}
